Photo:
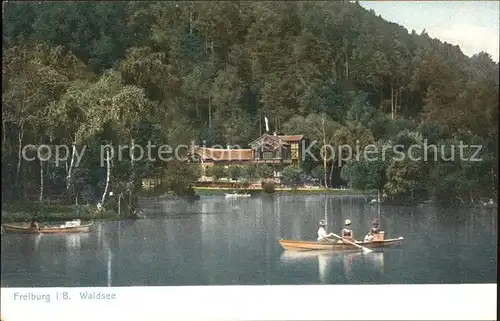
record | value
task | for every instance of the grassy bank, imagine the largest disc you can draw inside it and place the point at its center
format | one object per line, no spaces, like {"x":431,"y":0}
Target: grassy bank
{"x":304,"y":191}
{"x":24,"y":212}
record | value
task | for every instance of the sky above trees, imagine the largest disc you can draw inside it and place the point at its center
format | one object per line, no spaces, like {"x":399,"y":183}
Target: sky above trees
{"x":473,"y":25}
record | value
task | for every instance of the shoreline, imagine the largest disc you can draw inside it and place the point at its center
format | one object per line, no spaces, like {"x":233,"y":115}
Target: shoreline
{"x":299,"y":190}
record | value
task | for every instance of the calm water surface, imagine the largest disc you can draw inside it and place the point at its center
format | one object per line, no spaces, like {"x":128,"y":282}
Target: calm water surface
{"x":218,"y":241}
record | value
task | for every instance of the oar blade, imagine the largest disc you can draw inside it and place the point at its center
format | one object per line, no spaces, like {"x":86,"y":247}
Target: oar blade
{"x":366,"y":250}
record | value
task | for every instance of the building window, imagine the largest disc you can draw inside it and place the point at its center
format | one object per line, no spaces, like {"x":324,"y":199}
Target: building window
{"x":267,"y":155}
{"x":295,"y":151}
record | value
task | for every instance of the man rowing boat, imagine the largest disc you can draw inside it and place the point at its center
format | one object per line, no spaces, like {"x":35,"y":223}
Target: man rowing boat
{"x":322,"y":236}
{"x":346,"y":233}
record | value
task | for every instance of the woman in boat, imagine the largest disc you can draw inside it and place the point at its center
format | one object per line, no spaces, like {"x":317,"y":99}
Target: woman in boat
{"x":347,"y":232}
{"x":374,"y":231}
{"x":322,"y":236}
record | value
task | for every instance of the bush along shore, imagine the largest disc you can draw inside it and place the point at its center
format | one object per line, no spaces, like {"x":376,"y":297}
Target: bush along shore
{"x":25,"y":212}
{"x":116,"y":207}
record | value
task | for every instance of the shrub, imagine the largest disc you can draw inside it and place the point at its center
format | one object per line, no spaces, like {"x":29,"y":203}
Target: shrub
{"x":265,"y":171}
{"x":268,"y":187}
{"x":56,"y":214}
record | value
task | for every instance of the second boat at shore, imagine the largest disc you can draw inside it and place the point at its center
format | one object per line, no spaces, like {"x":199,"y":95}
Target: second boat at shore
{"x":25,"y":228}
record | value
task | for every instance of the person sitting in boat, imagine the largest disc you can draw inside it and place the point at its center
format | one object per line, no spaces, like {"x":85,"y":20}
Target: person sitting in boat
{"x":374,"y":231}
{"x":35,"y":226}
{"x":322,"y":236}
{"x":347,"y":232}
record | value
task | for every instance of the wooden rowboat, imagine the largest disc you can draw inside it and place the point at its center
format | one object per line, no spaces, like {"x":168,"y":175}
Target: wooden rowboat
{"x":26,"y":229}
{"x":293,"y":245}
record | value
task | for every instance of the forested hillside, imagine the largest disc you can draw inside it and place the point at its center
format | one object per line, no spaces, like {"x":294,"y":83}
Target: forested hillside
{"x":93,"y":73}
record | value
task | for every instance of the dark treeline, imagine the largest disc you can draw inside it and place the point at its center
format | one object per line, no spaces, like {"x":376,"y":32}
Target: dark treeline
{"x":92,"y":73}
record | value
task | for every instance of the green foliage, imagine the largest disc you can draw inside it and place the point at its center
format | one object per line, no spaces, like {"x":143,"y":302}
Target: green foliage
{"x":265,"y":171}
{"x":369,"y":173}
{"x":405,"y":180}
{"x":179,"y":176}
{"x":183,"y":190}
{"x":51,"y":213}
{"x":318,"y":173}
{"x":291,"y":175}
{"x":235,"y":172}
{"x":430,"y":132}
{"x":249,"y":172}
{"x":454,"y":178}
{"x":209,"y":171}
{"x":218,"y":172}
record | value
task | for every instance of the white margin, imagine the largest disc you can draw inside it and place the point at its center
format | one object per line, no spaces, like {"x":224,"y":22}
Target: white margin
{"x":295,"y":302}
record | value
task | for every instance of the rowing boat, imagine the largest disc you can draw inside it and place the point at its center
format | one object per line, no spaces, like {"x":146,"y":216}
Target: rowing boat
{"x":27,"y":229}
{"x":294,"y":245}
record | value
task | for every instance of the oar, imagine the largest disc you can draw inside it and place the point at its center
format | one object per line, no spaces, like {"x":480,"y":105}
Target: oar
{"x":365,"y":249}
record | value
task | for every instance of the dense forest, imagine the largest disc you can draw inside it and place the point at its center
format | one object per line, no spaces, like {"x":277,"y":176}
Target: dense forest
{"x":95,"y":73}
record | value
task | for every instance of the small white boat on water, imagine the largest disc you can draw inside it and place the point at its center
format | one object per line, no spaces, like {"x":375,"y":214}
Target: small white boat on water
{"x":234,"y":194}
{"x":490,"y":204}
{"x":377,"y":200}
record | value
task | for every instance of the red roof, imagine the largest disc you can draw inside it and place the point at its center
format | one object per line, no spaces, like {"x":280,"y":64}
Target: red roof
{"x":224,"y":154}
{"x":291,"y":138}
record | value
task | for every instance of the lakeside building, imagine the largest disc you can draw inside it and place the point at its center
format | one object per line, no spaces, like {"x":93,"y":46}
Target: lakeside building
{"x":267,"y":149}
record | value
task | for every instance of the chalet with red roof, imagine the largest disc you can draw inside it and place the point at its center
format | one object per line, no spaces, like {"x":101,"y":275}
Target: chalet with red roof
{"x":267,"y":149}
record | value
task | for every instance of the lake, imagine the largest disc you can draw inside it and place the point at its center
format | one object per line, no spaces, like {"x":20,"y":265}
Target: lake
{"x":219,"y":241}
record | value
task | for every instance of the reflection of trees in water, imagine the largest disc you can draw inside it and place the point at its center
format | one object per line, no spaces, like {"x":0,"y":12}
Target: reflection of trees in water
{"x":234,"y":240}
{"x":25,"y":244}
{"x":73,"y":242}
{"x":376,"y":259}
{"x":108,"y":239}
{"x":208,"y":225}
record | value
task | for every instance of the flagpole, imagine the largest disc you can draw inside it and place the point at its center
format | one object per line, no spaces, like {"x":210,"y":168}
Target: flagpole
{"x":260,"y":122}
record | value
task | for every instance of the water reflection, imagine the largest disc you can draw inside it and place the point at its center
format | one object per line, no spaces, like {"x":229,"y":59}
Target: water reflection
{"x":74,"y":241}
{"x":109,"y":268}
{"x":36,"y":241}
{"x":376,"y":259}
{"x":330,"y":261}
